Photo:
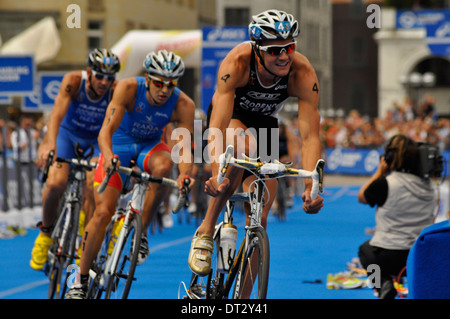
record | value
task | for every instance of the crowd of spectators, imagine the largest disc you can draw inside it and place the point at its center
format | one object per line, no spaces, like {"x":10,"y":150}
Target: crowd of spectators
{"x":357,"y":131}
{"x":22,"y":137}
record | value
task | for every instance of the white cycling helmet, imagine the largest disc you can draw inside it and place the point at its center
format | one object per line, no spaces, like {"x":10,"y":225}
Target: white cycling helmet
{"x":273,"y":24}
{"x":164,"y":63}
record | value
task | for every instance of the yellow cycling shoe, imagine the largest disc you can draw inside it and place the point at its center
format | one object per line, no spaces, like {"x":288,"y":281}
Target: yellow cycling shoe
{"x":201,"y":263}
{"x":39,"y":254}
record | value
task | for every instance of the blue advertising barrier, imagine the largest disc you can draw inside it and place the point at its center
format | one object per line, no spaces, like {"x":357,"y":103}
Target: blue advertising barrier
{"x":44,"y":96}
{"x":436,"y":23}
{"x":16,"y":75}
{"x":358,"y":161}
{"x":216,"y":43}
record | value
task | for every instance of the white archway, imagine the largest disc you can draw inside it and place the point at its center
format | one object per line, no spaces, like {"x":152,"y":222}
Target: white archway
{"x":399,"y":52}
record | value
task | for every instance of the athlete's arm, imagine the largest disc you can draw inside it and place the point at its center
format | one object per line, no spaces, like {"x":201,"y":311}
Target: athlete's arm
{"x":304,"y":85}
{"x":69,"y":88}
{"x":184,"y":114}
{"x":122,"y":101}
{"x":233,"y":73}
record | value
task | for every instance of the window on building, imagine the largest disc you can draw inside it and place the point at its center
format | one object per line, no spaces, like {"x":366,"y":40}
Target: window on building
{"x":237,"y":16}
{"x":95,"y":34}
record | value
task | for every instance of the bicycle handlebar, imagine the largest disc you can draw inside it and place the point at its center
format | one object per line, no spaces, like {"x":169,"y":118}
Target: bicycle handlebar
{"x":144,"y":176}
{"x":78,"y":162}
{"x":274,"y":170}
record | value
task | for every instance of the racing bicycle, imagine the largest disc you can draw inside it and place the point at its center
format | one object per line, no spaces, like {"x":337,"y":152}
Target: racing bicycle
{"x":112,"y":272}
{"x":66,"y":235}
{"x":250,"y":266}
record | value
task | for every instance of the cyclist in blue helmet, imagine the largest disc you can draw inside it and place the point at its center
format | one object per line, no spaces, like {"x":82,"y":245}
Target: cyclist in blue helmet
{"x":133,"y":130}
{"x":77,"y":116}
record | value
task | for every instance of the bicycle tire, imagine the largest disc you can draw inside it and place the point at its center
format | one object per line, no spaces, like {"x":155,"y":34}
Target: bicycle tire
{"x":96,"y":290}
{"x":127,"y":261}
{"x":259,"y":241}
{"x":74,"y":238}
{"x":61,"y":260}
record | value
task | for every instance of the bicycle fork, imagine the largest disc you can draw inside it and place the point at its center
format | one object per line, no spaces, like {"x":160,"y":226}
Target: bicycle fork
{"x":134,"y":207}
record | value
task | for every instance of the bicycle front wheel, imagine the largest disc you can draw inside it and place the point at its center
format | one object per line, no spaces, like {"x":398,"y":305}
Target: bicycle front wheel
{"x":63,"y":250}
{"x":253,"y":275}
{"x":120,"y":281}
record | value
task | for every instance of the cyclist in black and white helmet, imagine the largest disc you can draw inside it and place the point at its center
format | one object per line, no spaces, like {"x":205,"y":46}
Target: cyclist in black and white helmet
{"x":77,"y":116}
{"x":141,"y":108}
{"x":254,"y":81}
{"x":102,"y":63}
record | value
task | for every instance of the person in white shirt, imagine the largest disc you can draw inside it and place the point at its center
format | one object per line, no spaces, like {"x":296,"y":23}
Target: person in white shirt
{"x":24,"y":141}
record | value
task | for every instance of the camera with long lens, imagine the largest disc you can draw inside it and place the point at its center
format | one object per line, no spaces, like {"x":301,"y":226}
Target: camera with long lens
{"x":430,"y":161}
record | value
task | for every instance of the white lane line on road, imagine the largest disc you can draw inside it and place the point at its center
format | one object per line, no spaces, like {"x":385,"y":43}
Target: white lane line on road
{"x":22,"y":288}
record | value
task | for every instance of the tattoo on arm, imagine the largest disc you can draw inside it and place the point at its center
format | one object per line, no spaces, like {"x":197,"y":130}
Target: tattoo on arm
{"x":112,"y":113}
{"x":68,"y":88}
{"x":225,"y":77}
{"x":315,"y":88}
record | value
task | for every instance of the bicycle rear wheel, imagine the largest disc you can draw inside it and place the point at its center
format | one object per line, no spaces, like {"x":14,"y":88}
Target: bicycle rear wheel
{"x":253,"y":275}
{"x":120,"y":281}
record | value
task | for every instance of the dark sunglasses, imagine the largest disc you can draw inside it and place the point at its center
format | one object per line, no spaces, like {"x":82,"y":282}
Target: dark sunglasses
{"x":100,"y":76}
{"x":160,"y":83}
{"x":277,"y":49}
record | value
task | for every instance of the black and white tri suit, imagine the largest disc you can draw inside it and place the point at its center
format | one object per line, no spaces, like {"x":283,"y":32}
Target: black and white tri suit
{"x":257,"y":105}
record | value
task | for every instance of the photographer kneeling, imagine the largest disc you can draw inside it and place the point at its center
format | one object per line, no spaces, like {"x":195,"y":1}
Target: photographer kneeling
{"x":406,"y":203}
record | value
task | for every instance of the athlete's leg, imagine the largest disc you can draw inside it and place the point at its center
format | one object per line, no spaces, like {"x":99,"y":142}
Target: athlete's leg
{"x":52,"y":193}
{"x":89,"y":201}
{"x":238,"y":135}
{"x":157,"y":162}
{"x":105,"y":205}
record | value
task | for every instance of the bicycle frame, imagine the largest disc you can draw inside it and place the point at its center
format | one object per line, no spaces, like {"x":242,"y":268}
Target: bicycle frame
{"x":256,"y":199}
{"x":65,"y":234}
{"x":134,"y":206}
{"x":73,"y":198}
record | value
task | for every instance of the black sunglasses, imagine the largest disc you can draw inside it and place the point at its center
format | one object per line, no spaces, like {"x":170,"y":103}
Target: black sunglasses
{"x":100,"y":76}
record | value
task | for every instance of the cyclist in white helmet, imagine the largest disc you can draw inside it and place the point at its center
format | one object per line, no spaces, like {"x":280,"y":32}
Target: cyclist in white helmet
{"x":253,"y":82}
{"x":140,"y":109}
{"x":77,"y":116}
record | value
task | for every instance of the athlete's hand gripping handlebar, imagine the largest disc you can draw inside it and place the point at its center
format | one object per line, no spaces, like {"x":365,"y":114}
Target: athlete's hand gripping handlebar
{"x":225,"y":159}
{"x":272,"y":170}
{"x":111,"y":172}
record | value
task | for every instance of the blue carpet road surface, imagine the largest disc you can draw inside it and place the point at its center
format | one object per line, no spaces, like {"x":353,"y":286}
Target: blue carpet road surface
{"x":304,"y":249}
